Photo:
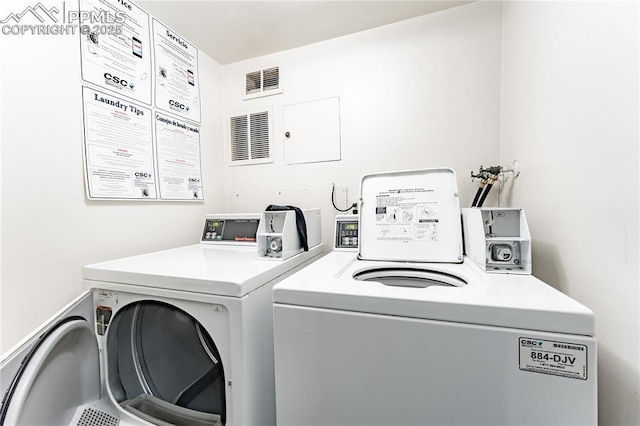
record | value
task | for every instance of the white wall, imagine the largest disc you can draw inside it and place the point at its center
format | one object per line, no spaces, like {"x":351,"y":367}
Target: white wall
{"x":49,"y":228}
{"x":570,"y":115}
{"x":420,"y":93}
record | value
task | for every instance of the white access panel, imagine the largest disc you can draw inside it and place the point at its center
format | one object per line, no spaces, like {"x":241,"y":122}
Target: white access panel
{"x":312,"y":131}
{"x":347,"y":368}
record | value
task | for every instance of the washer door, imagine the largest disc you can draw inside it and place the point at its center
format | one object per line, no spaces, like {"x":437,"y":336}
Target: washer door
{"x":60,"y":373}
{"x":158,"y":351}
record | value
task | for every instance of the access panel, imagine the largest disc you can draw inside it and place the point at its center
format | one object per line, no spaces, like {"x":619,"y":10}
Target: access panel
{"x":312,"y":131}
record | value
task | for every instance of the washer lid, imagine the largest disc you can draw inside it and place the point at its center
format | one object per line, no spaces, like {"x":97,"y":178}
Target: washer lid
{"x":410,"y":216}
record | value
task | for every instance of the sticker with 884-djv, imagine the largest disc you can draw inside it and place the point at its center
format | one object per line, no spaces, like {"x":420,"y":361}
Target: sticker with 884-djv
{"x":555,"y":358}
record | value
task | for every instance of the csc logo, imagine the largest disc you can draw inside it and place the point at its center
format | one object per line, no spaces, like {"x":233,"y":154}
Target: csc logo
{"x":177,"y":104}
{"x":115,"y":79}
{"x":143,"y":174}
{"x":194,"y":180}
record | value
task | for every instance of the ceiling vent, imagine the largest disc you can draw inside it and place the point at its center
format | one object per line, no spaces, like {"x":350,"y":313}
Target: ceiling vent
{"x":261,"y":83}
{"x":250,"y":138}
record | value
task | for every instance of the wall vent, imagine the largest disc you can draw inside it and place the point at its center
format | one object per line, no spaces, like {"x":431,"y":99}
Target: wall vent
{"x":261,"y":83}
{"x":250,"y":138}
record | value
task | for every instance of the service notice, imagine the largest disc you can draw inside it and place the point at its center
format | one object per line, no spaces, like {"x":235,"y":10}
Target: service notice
{"x":118,"y":148}
{"x":176,"y":61}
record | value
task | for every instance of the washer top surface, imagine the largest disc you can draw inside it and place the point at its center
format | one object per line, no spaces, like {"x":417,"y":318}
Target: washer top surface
{"x":220,"y":270}
{"x":514,"y":301}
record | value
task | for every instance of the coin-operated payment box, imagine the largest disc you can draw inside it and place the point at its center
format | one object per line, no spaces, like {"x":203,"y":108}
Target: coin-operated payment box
{"x":497,"y":239}
{"x":279,"y":237}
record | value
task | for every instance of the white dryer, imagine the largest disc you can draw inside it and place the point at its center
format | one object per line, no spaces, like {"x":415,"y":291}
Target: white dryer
{"x":181,"y":336}
{"x":393,"y":342}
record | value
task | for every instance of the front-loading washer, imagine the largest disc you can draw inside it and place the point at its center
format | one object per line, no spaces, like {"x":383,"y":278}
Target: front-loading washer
{"x":181,"y":336}
{"x":379,"y":342}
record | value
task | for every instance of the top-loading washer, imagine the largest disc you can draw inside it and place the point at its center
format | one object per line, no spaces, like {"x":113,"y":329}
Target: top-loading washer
{"x":180,"y":336}
{"x":388,"y":341}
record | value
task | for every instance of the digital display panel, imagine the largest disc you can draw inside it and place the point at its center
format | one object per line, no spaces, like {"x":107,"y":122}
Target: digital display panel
{"x":237,"y":230}
{"x":346,"y":234}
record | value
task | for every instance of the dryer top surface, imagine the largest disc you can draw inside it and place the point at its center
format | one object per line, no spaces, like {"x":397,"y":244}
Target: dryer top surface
{"x":514,"y":301}
{"x":221,"y":270}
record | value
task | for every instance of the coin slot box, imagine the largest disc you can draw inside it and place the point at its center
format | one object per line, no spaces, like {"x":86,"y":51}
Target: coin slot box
{"x":497,"y":239}
{"x":278,"y":233}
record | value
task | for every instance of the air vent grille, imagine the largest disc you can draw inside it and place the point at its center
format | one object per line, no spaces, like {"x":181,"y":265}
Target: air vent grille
{"x":253,"y":82}
{"x":260,"y":135}
{"x":262,"y":83}
{"x":250,"y":137}
{"x":239,"y":138}
{"x":271,"y":78}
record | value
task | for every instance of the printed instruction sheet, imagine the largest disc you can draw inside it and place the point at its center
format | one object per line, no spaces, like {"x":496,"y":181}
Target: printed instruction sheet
{"x":118,"y":147}
{"x":178,"y":152}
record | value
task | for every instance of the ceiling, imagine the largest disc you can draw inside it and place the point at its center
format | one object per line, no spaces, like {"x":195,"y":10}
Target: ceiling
{"x":232,"y":31}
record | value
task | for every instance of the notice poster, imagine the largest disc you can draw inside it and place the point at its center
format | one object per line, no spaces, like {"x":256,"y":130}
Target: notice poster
{"x":176,"y":73}
{"x":117,"y":57}
{"x":118,"y":148}
{"x":178,"y":153}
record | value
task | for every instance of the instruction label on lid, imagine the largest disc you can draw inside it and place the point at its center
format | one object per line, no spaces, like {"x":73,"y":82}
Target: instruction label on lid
{"x":407,"y":214}
{"x":555,"y":358}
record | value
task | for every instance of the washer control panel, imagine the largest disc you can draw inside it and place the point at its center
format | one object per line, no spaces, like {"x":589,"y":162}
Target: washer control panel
{"x":346,"y":232}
